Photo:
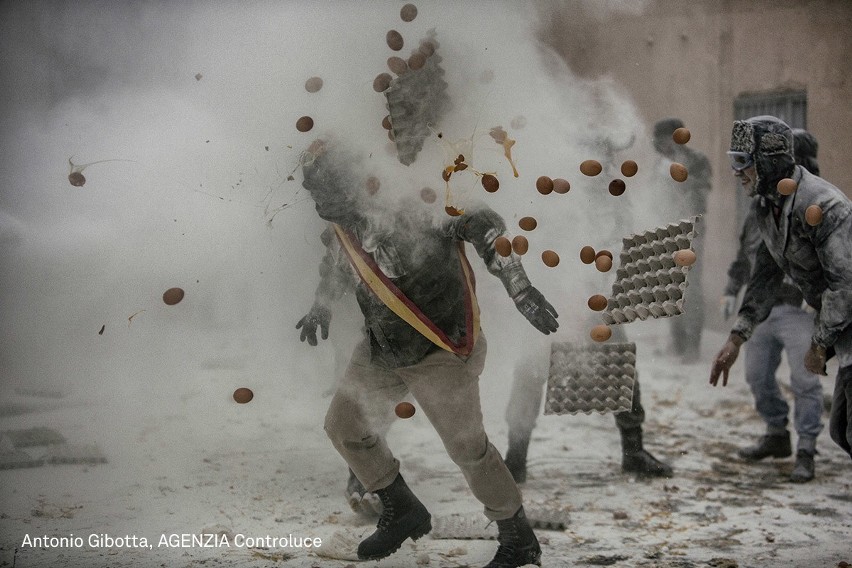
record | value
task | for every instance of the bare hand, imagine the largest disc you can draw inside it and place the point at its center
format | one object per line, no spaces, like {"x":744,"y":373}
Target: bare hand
{"x":815,"y":360}
{"x":724,"y":361}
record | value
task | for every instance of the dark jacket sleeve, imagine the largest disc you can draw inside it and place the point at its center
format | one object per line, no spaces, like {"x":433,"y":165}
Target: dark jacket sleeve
{"x":336,"y":277}
{"x":481,"y":226}
{"x":832,"y":243}
{"x":740,"y":270}
{"x":761,"y":293}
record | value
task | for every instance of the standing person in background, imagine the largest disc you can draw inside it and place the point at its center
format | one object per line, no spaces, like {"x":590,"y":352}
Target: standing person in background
{"x":531,"y":371}
{"x":528,"y":390}
{"x":688,"y":198}
{"x":806,"y":236}
{"x":788,"y":327}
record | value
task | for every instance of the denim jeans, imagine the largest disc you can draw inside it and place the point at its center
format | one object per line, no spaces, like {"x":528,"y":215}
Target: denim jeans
{"x":787,"y":328}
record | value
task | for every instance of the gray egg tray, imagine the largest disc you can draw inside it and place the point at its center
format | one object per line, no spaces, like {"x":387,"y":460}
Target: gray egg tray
{"x":79,"y":454}
{"x":590,"y":378}
{"x":474,"y":526}
{"x":17,"y":459}
{"x":35,"y":447}
{"x":648,"y":284}
{"x":416,"y":100}
{"x":39,"y":436}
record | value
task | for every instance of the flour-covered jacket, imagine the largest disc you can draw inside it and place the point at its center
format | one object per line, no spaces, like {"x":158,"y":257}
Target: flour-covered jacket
{"x":818,"y":259}
{"x":420,"y":257}
{"x":740,"y":270}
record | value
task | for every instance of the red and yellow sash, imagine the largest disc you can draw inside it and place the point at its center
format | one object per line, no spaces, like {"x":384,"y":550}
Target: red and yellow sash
{"x":398,"y":303}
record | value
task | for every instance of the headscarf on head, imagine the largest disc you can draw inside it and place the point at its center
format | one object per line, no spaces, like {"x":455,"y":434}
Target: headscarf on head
{"x":770,"y":142}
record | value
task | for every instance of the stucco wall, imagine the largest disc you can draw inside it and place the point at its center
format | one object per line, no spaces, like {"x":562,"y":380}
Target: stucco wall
{"x":691,"y":59}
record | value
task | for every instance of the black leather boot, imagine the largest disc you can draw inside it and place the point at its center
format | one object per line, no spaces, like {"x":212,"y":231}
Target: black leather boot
{"x":516,"y":456}
{"x":518,"y":544}
{"x":634,"y":458}
{"x":403,"y":516}
{"x":804,"y":468}
{"x":770,"y":445}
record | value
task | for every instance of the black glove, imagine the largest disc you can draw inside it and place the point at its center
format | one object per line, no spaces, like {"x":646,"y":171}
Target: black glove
{"x":537,"y":310}
{"x":318,"y":316}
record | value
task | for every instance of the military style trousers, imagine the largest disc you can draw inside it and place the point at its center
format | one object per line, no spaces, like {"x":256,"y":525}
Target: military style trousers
{"x":446,"y":390}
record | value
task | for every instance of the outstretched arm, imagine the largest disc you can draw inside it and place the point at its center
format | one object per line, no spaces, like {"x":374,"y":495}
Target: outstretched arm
{"x":740,"y":269}
{"x":832,"y":240}
{"x":759,"y":298}
{"x":481,"y":227}
{"x":761,"y":293}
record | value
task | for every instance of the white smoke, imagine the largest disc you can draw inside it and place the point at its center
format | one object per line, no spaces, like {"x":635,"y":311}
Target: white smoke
{"x":203,"y":99}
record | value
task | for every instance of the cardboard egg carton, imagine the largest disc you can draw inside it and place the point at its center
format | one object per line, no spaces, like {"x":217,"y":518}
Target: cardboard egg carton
{"x":75,"y":454}
{"x":29,"y":437}
{"x":590,"y":378}
{"x":474,"y":526}
{"x":469,"y":526}
{"x":16,"y":459}
{"x":342,"y":545}
{"x":648,"y":283}
{"x":416,"y":99}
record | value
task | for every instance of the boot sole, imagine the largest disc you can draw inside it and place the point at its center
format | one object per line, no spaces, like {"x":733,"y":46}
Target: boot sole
{"x":763,"y":457}
{"x":417,"y":533}
{"x":648,"y":475}
{"x":801,"y":479}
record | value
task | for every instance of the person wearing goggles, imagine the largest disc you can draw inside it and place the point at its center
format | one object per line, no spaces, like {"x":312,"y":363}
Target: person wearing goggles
{"x":742,"y":164}
{"x":787,"y":329}
{"x":814,"y":256}
{"x":740,"y":160}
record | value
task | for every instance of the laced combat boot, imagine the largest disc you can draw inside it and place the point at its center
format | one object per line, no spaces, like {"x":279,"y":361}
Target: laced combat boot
{"x":635,"y":459}
{"x":516,"y":456}
{"x":403,"y":516}
{"x":770,"y":445}
{"x":804,"y":469}
{"x":518,"y":544}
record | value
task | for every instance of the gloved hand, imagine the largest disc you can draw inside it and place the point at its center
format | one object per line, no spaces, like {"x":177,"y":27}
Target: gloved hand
{"x":727,"y":305}
{"x":318,"y":316}
{"x":531,"y":303}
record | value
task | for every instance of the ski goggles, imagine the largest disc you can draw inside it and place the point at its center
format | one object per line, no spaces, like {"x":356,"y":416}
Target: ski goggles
{"x":740,"y":160}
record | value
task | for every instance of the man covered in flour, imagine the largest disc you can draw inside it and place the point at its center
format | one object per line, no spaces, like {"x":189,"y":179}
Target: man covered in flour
{"x":805,"y":236}
{"x":416,"y":291}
